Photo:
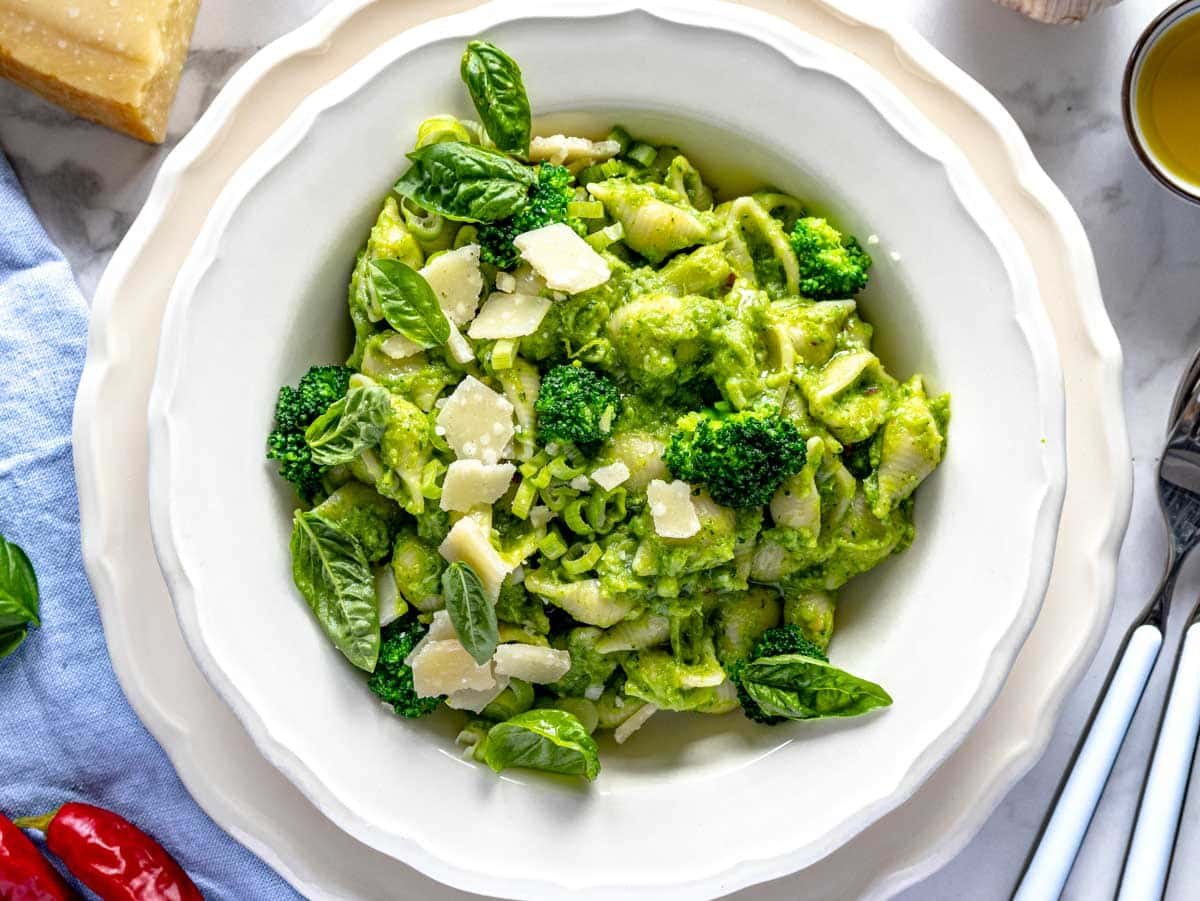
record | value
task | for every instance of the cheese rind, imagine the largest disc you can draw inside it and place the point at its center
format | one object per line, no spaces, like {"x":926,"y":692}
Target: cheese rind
{"x":116,"y":63}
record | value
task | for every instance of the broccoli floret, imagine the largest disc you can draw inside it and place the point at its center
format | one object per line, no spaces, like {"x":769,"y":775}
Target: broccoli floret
{"x":576,"y":404}
{"x":548,"y":199}
{"x":372,"y":520}
{"x":741,"y":457}
{"x":773,"y":643}
{"x":520,"y":608}
{"x":392,"y":680}
{"x":295,"y":409}
{"x":832,"y":265}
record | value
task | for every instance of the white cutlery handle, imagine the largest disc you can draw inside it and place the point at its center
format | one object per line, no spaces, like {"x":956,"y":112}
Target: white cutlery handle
{"x":1055,"y":855}
{"x":1145,"y":875}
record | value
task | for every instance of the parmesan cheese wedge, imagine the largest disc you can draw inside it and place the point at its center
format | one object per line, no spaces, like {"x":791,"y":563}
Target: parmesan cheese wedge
{"x":509,"y":316}
{"x":467,"y":542}
{"x":116,"y":62}
{"x":562,"y":258}
{"x":477,"y":422}
{"x":469,"y":482}
{"x":672,"y":509}
{"x":391,"y":605}
{"x":459,"y":347}
{"x":532,"y":663}
{"x":397,"y":347}
{"x":457,"y":282}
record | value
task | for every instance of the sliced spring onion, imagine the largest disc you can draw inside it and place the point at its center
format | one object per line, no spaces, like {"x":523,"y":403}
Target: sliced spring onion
{"x":585,"y":209}
{"x":622,"y":137}
{"x":504,"y":354}
{"x":581,"y":558}
{"x":642,"y":153}
{"x":552,"y":546}
{"x":606,"y":237}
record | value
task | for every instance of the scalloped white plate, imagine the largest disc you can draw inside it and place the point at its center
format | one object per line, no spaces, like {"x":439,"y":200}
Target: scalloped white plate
{"x":275,"y":821}
{"x":260,"y":297}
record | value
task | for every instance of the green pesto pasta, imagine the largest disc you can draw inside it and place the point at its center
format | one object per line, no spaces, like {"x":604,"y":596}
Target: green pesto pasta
{"x":652,"y":446}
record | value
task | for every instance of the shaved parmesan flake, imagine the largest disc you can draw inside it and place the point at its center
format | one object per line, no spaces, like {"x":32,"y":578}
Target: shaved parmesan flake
{"x":475,"y":700}
{"x":439,"y":630}
{"x":444,"y":667}
{"x":457,"y":282}
{"x":560,"y":149}
{"x":469,"y":543}
{"x":398,"y":347}
{"x":594,"y":692}
{"x":506,"y":283}
{"x":610,"y":476}
{"x":540,"y":515}
{"x":477,"y":420}
{"x":459,"y":347}
{"x":532,"y":663}
{"x":635,"y":722}
{"x":562,"y":258}
{"x":580,"y":483}
{"x":672,"y":509}
{"x":469,"y":482}
{"x":391,"y":606}
{"x":509,"y":316}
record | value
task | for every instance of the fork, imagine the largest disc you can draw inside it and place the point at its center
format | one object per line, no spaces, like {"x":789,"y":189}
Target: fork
{"x":1062,"y":834}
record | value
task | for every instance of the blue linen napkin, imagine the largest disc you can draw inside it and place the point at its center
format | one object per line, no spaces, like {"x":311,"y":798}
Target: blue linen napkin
{"x":66,"y":730}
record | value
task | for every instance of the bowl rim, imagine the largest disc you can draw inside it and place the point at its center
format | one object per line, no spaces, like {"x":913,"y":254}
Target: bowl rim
{"x":775,"y":33}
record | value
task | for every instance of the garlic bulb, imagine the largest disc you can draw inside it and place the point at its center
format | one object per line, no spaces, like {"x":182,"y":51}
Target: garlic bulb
{"x":1058,"y":12}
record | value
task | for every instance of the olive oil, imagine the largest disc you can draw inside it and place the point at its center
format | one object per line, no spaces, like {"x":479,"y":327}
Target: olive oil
{"x":1168,"y":100}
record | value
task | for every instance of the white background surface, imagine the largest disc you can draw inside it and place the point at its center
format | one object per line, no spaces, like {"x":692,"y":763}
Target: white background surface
{"x":1063,"y":87}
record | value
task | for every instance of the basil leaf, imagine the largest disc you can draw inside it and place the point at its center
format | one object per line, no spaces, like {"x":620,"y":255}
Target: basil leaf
{"x":465,"y":182}
{"x":494,"y":81}
{"x":471,"y":611}
{"x":407,"y":302}
{"x":350,"y":425}
{"x":805,"y":688}
{"x":331,"y":572}
{"x":550,"y":740}
{"x":18,"y":588}
{"x":10,"y":640}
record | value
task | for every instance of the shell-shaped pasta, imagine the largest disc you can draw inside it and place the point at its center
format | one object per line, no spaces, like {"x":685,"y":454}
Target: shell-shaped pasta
{"x":758,"y":248}
{"x":656,"y":222}
{"x":851,"y":394}
{"x":682,"y":178}
{"x":910,"y":447}
{"x":1058,"y":12}
{"x":583,"y":600}
{"x":797,"y":502}
{"x":813,"y":327}
{"x":642,"y":454}
{"x":646,"y":631}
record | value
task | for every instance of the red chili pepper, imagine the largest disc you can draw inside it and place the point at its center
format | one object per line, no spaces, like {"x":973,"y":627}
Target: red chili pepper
{"x":24,"y":874}
{"x":112,"y":857}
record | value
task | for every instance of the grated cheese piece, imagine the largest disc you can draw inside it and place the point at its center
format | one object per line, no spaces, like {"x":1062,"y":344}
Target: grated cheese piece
{"x":444,"y":667}
{"x":390,"y":603}
{"x":635,"y":722}
{"x":672,"y":509}
{"x":532,"y":663}
{"x":469,"y":482}
{"x":509,"y":316}
{"x":475,"y":700}
{"x":477,"y":420}
{"x":440,"y":629}
{"x":457,"y":282}
{"x":610,"y":476}
{"x":468,"y":542}
{"x":506,"y":283}
{"x":399,"y":348}
{"x":580,"y":483}
{"x":460,"y":347}
{"x":562,"y":258}
{"x":540,"y":515}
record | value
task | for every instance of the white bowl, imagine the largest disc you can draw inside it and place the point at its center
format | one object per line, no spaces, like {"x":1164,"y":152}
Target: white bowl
{"x":693,"y":806}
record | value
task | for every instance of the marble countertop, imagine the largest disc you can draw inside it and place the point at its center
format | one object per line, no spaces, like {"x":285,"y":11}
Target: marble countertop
{"x":1063,"y":87}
